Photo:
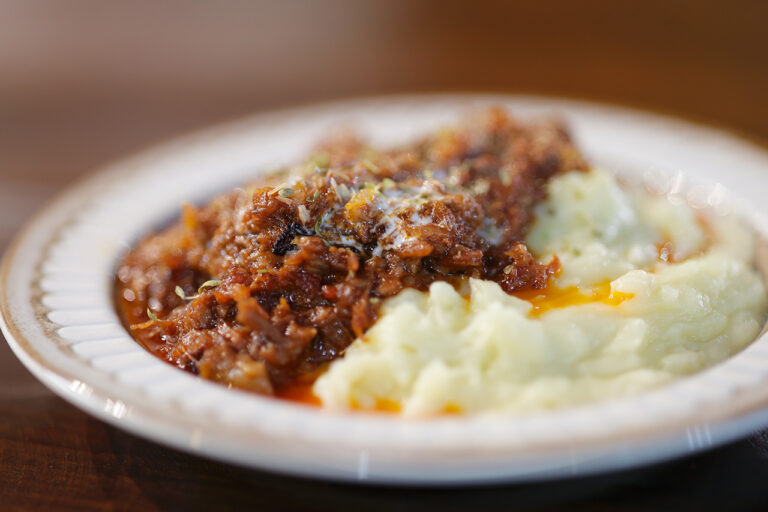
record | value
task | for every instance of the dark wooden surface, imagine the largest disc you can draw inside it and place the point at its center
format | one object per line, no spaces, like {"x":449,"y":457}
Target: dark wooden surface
{"x":82,"y":82}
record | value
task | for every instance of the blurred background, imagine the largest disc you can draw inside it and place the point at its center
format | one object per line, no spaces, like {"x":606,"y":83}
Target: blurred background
{"x":86,"y":81}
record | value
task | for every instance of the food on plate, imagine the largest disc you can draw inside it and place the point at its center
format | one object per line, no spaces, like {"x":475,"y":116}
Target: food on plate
{"x":485,"y":267}
{"x":647,"y":292}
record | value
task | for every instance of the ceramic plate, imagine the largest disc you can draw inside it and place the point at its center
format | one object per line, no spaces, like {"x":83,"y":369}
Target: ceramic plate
{"x":58,"y":315}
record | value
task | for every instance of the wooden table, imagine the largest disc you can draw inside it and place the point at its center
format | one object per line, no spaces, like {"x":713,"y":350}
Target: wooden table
{"x":82,"y":82}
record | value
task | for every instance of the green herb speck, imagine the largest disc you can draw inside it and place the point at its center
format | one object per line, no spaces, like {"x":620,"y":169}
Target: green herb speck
{"x":314,"y":196}
{"x":208,"y":284}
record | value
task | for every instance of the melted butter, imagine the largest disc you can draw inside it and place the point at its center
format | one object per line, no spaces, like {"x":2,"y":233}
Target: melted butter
{"x":452,"y":409}
{"x":550,"y":298}
{"x":386,"y":406}
{"x":382,"y":405}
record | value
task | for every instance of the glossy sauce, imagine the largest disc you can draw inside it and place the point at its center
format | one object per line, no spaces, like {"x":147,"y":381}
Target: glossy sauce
{"x":299,"y":391}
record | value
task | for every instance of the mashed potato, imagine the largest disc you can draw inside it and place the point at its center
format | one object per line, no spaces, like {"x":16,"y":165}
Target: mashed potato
{"x":648,"y":292}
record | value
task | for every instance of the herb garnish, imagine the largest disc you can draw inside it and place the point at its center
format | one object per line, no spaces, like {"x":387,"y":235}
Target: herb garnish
{"x":180,"y":292}
{"x":152,"y":321}
{"x":211,"y":283}
{"x":152,"y":316}
{"x":208,"y":284}
{"x":319,"y":232}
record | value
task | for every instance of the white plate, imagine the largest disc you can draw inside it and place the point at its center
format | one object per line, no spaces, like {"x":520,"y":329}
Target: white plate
{"x":58,"y":316}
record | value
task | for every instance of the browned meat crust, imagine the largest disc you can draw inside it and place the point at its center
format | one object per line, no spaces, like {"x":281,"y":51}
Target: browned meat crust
{"x":301,"y":260}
